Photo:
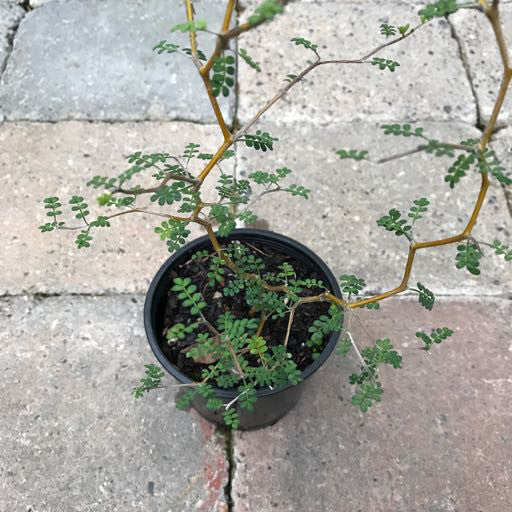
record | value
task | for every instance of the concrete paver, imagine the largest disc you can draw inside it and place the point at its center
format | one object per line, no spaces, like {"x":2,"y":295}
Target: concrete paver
{"x":430,"y":83}
{"x":73,"y":438}
{"x":347,"y":198}
{"x":481,"y":53}
{"x":439,"y":441}
{"x":94,"y":60}
{"x":40,"y":160}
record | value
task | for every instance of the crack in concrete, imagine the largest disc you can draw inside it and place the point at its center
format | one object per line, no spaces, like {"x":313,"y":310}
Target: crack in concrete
{"x":228,"y":436}
{"x":480,"y":123}
{"x":463,"y":57}
{"x":11,"y":35}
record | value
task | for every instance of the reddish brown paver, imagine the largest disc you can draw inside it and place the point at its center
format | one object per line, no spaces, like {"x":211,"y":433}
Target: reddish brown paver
{"x":441,"y":440}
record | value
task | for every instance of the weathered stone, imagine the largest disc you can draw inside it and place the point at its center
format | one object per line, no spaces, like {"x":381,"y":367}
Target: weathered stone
{"x":40,"y":160}
{"x":429,"y":84}
{"x":439,"y":441}
{"x":94,"y":60}
{"x":347,"y":198}
{"x":10,"y":16}
{"x":483,"y":59}
{"x":73,"y":437}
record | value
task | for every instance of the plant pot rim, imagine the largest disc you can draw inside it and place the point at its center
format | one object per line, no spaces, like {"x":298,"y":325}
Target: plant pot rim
{"x":237,"y":234}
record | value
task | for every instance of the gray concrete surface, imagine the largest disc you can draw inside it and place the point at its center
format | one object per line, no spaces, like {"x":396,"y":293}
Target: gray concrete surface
{"x":439,"y":441}
{"x":481,"y":54}
{"x":97,"y":63}
{"x":71,"y":337}
{"x":348,"y":197}
{"x":59,"y":159}
{"x":428,"y":85}
{"x":10,"y":15}
{"x":73,"y":437}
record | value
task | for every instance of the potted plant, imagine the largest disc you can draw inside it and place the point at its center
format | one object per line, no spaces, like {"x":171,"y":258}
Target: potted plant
{"x":242,"y":317}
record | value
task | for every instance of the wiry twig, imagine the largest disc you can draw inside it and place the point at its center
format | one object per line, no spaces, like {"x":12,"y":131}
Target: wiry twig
{"x":363,"y":362}
{"x":133,"y":210}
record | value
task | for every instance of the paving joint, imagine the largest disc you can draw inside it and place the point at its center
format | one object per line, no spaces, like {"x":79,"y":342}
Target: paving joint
{"x":405,"y":295}
{"x":228,"y":436}
{"x":138,"y":120}
{"x":480,"y":124}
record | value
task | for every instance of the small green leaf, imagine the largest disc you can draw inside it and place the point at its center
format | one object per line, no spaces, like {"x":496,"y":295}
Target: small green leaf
{"x":265,"y":12}
{"x":248,"y":60}
{"x":387,"y":30}
{"x":231,"y":419}
{"x":502,"y":250}
{"x":344,"y":346}
{"x":190,"y":26}
{"x":151,"y":380}
{"x":83,"y":239}
{"x":438,"y":9}
{"x":426,"y":297}
{"x":393,"y":222}
{"x":290,"y":77}
{"x":385,"y":63}
{"x":259,"y":141}
{"x":419,"y":207}
{"x":438,"y":335}
{"x":351,"y":284}
{"x":403,"y":29}
{"x":300,"y":41}
{"x":405,"y":130}
{"x":352,"y":153}
{"x":468,"y":256}
{"x":366,"y":395}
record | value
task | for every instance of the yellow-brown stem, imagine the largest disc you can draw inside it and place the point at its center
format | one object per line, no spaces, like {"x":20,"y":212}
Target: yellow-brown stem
{"x":211,"y":164}
{"x":192,"y":35}
{"x":493,"y":15}
{"x":507,"y":75}
{"x":261,"y":325}
{"x":216,"y":109}
{"x":227,"y":15}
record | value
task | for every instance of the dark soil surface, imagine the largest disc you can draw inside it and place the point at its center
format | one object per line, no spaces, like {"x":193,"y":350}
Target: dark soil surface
{"x":274,"y":331}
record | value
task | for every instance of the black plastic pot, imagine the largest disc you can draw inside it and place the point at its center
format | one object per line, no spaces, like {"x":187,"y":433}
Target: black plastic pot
{"x":271,"y":404}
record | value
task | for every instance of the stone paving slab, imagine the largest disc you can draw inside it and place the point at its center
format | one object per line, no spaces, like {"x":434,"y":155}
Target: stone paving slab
{"x":94,"y":60}
{"x":430,"y":84}
{"x":73,"y":438}
{"x":339,"y":219}
{"x":439,"y":441}
{"x":482,"y":55}
{"x":39,"y":160}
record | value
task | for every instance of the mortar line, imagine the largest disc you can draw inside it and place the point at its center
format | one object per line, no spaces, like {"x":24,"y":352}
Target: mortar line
{"x":49,"y":295}
{"x":228,"y":435}
{"x":110,"y":121}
